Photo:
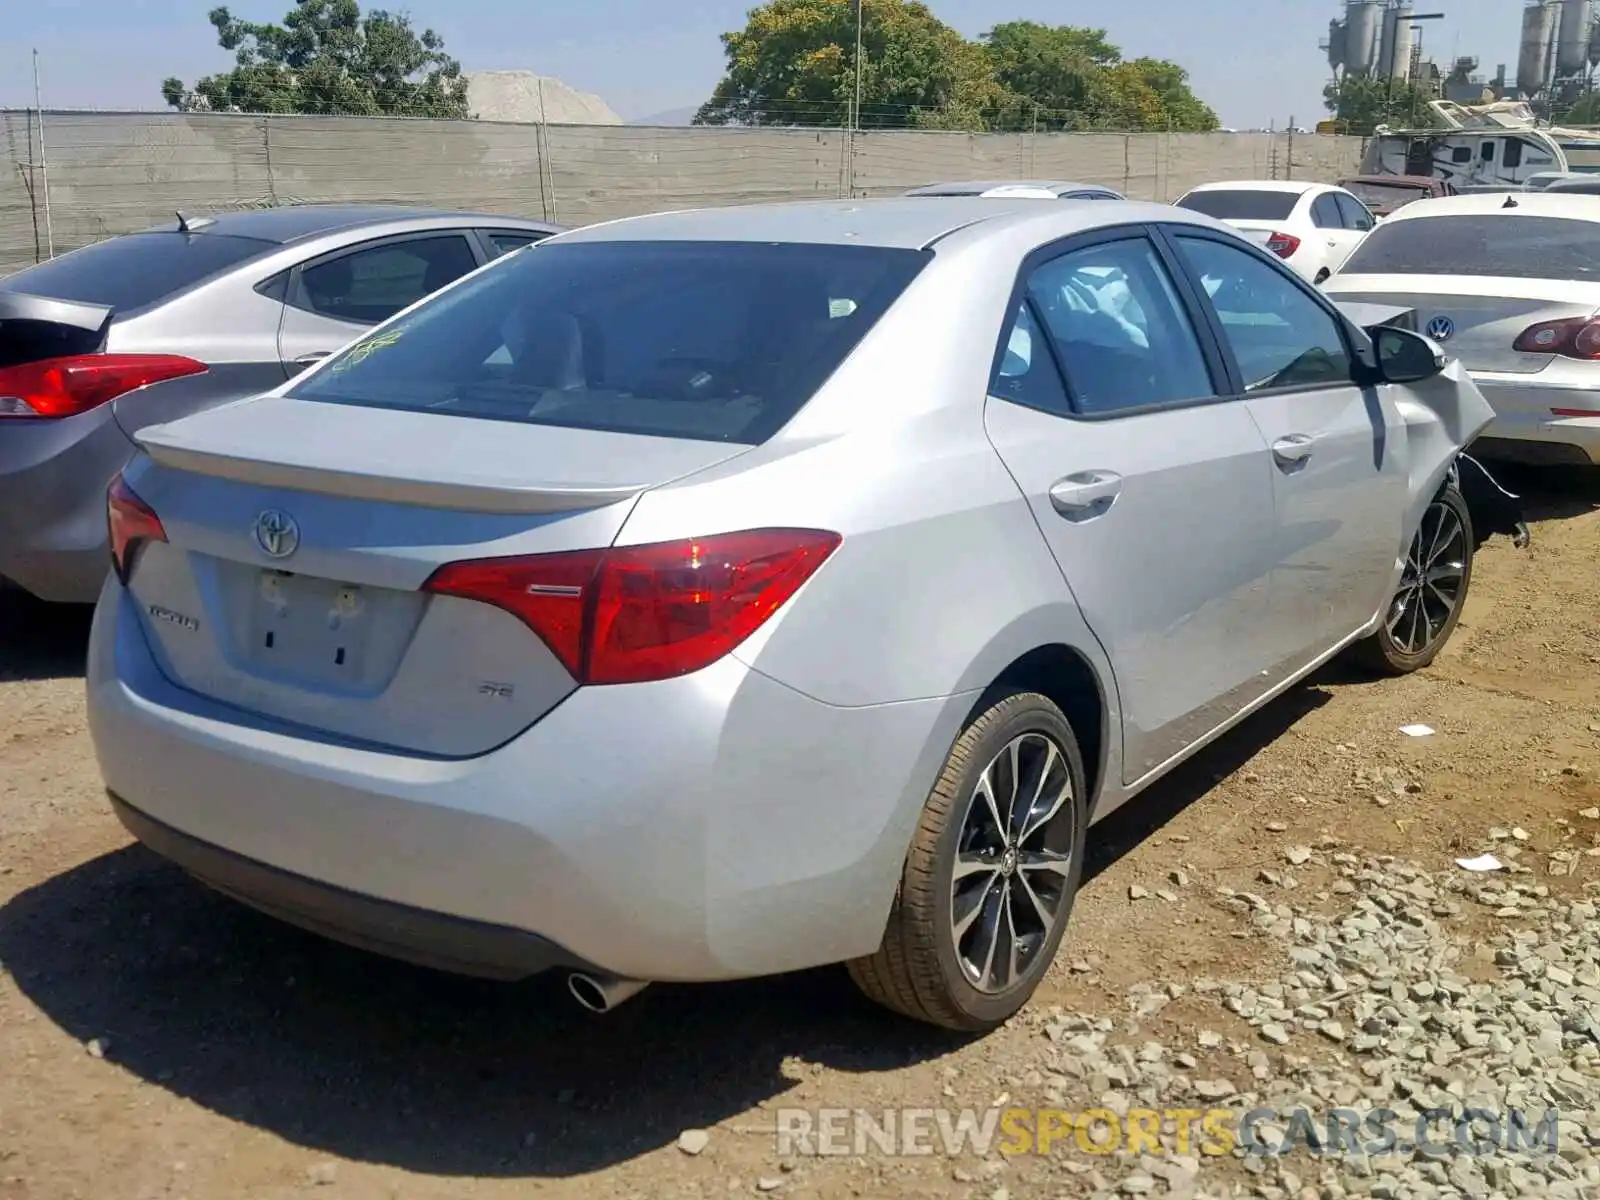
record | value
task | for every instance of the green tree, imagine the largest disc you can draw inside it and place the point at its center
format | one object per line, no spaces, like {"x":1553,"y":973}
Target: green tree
{"x":327,"y":57}
{"x":794,"y":64}
{"x":1078,"y":79}
{"x":1586,"y":111}
{"x":1060,"y":72}
{"x":1181,"y":110}
{"x":1360,"y":104}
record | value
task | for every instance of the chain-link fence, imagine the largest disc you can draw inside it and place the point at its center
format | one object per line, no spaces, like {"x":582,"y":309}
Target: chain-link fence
{"x":74,"y":177}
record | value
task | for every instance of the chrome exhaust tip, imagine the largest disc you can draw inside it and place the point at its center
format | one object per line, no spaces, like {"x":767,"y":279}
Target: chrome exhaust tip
{"x":602,"y":993}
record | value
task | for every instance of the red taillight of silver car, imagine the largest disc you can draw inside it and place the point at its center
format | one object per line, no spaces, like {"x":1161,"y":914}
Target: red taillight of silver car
{"x":630,"y":614}
{"x":132,"y":523}
{"x":1575,"y":337}
{"x":52,"y":388}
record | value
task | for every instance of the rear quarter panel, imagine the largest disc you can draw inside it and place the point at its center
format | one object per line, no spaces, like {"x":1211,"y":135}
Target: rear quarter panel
{"x":943,"y":578}
{"x":225,"y":324}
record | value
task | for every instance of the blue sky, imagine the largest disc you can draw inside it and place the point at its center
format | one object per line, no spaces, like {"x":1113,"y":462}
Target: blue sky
{"x":1255,"y":61}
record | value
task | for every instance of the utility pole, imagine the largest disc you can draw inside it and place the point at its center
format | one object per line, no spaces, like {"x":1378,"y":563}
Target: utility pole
{"x":860,"y":6}
{"x":44,"y":170}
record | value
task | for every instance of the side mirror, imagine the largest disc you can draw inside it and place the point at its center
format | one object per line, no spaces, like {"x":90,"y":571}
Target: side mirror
{"x":1406,"y":357}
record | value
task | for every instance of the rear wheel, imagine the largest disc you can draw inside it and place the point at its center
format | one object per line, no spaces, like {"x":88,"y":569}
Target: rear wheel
{"x":1323,"y":276}
{"x":1433,"y":587}
{"x":992,"y":873}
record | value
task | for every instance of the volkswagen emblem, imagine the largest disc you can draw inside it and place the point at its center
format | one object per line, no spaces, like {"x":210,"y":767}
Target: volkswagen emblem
{"x":277,"y":534}
{"x":1441,"y":329}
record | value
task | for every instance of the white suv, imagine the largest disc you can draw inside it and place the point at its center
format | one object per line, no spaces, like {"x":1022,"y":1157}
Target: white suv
{"x":1311,"y":226}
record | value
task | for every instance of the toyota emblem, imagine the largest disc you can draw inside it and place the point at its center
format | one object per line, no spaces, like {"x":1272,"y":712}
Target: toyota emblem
{"x":1441,"y":329}
{"x":277,"y":534}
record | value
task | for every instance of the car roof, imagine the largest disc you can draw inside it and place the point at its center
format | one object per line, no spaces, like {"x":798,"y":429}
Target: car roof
{"x":297,"y":222}
{"x":1527,"y":204}
{"x":1294,"y":187}
{"x":977,"y":187}
{"x":895,"y":223}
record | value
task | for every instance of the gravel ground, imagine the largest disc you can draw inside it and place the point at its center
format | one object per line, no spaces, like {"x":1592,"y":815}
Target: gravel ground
{"x":1279,"y":926}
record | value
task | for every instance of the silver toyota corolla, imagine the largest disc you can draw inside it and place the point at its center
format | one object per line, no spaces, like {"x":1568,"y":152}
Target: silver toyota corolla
{"x":140,"y":329}
{"x":723,"y":593}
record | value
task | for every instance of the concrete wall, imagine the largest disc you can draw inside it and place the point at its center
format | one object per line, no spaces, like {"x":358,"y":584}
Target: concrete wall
{"x":111,"y":173}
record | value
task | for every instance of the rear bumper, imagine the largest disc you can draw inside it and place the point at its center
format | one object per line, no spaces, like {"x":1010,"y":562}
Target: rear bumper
{"x":396,"y":930}
{"x":716,"y":826}
{"x":53,"y":478}
{"x":1526,"y":423}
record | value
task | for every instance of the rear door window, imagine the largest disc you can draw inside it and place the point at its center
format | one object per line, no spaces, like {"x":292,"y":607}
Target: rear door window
{"x":1121,"y":333}
{"x":366,"y":286}
{"x":1499,"y":244}
{"x":136,"y":270}
{"x":1325,"y":212}
{"x":1231,"y":204}
{"x":711,"y":340}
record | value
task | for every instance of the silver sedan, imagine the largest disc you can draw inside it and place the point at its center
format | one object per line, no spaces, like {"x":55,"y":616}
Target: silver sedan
{"x":136,"y":330}
{"x":717,"y":594}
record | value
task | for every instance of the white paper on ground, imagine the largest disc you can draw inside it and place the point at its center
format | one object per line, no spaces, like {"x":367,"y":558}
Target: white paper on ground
{"x":1416,"y":730}
{"x":1484,"y":862}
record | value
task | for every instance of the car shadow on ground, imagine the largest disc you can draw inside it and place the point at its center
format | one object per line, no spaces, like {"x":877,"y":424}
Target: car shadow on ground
{"x":371,"y":1060}
{"x":1553,"y":493}
{"x":1150,"y":811}
{"x":41,"y":641}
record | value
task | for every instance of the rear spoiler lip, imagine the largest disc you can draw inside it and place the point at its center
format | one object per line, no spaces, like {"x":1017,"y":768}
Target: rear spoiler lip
{"x":461,"y":496}
{"x":78,"y":314}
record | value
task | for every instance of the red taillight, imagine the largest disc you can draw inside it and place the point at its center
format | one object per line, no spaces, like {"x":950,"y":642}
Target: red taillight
{"x":1575,"y":337}
{"x":65,"y":387}
{"x":636,"y":613}
{"x":132,"y":522}
{"x":1283,"y":244}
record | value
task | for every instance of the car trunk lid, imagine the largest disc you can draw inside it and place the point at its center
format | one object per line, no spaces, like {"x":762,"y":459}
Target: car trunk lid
{"x":300,"y":535}
{"x":1476,"y":319}
{"x":1259,"y":232}
{"x":39,"y":327}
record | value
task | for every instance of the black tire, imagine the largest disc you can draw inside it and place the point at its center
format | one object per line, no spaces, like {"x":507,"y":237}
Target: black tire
{"x":1323,"y":276}
{"x":1384,"y":652}
{"x":918,"y":969}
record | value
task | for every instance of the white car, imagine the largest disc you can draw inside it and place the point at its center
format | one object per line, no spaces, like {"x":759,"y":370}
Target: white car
{"x":1509,"y":285}
{"x":1311,"y":226}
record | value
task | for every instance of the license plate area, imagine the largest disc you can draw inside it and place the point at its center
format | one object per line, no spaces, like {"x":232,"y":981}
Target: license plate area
{"x":311,"y":631}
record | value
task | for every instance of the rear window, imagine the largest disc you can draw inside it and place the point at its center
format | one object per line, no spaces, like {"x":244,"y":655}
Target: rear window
{"x":1493,"y":244}
{"x":716,"y":341}
{"x":133,"y":271}
{"x":1238,"y":205}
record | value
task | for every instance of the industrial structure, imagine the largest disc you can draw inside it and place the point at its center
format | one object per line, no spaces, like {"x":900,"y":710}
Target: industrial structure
{"x":1559,"y":52}
{"x":1557,"y":56}
{"x":1375,"y":39}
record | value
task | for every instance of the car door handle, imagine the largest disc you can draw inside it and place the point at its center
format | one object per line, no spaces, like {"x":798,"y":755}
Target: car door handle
{"x":1294,"y":449}
{"x":1078,"y":495}
{"x":305,"y":360}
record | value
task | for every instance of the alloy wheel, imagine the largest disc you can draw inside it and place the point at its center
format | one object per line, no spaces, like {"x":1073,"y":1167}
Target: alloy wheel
{"x":1013,"y":862}
{"x":1431,"y":584}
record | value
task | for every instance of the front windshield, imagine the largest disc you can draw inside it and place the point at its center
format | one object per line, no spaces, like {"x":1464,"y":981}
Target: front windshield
{"x":1385,"y":195}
